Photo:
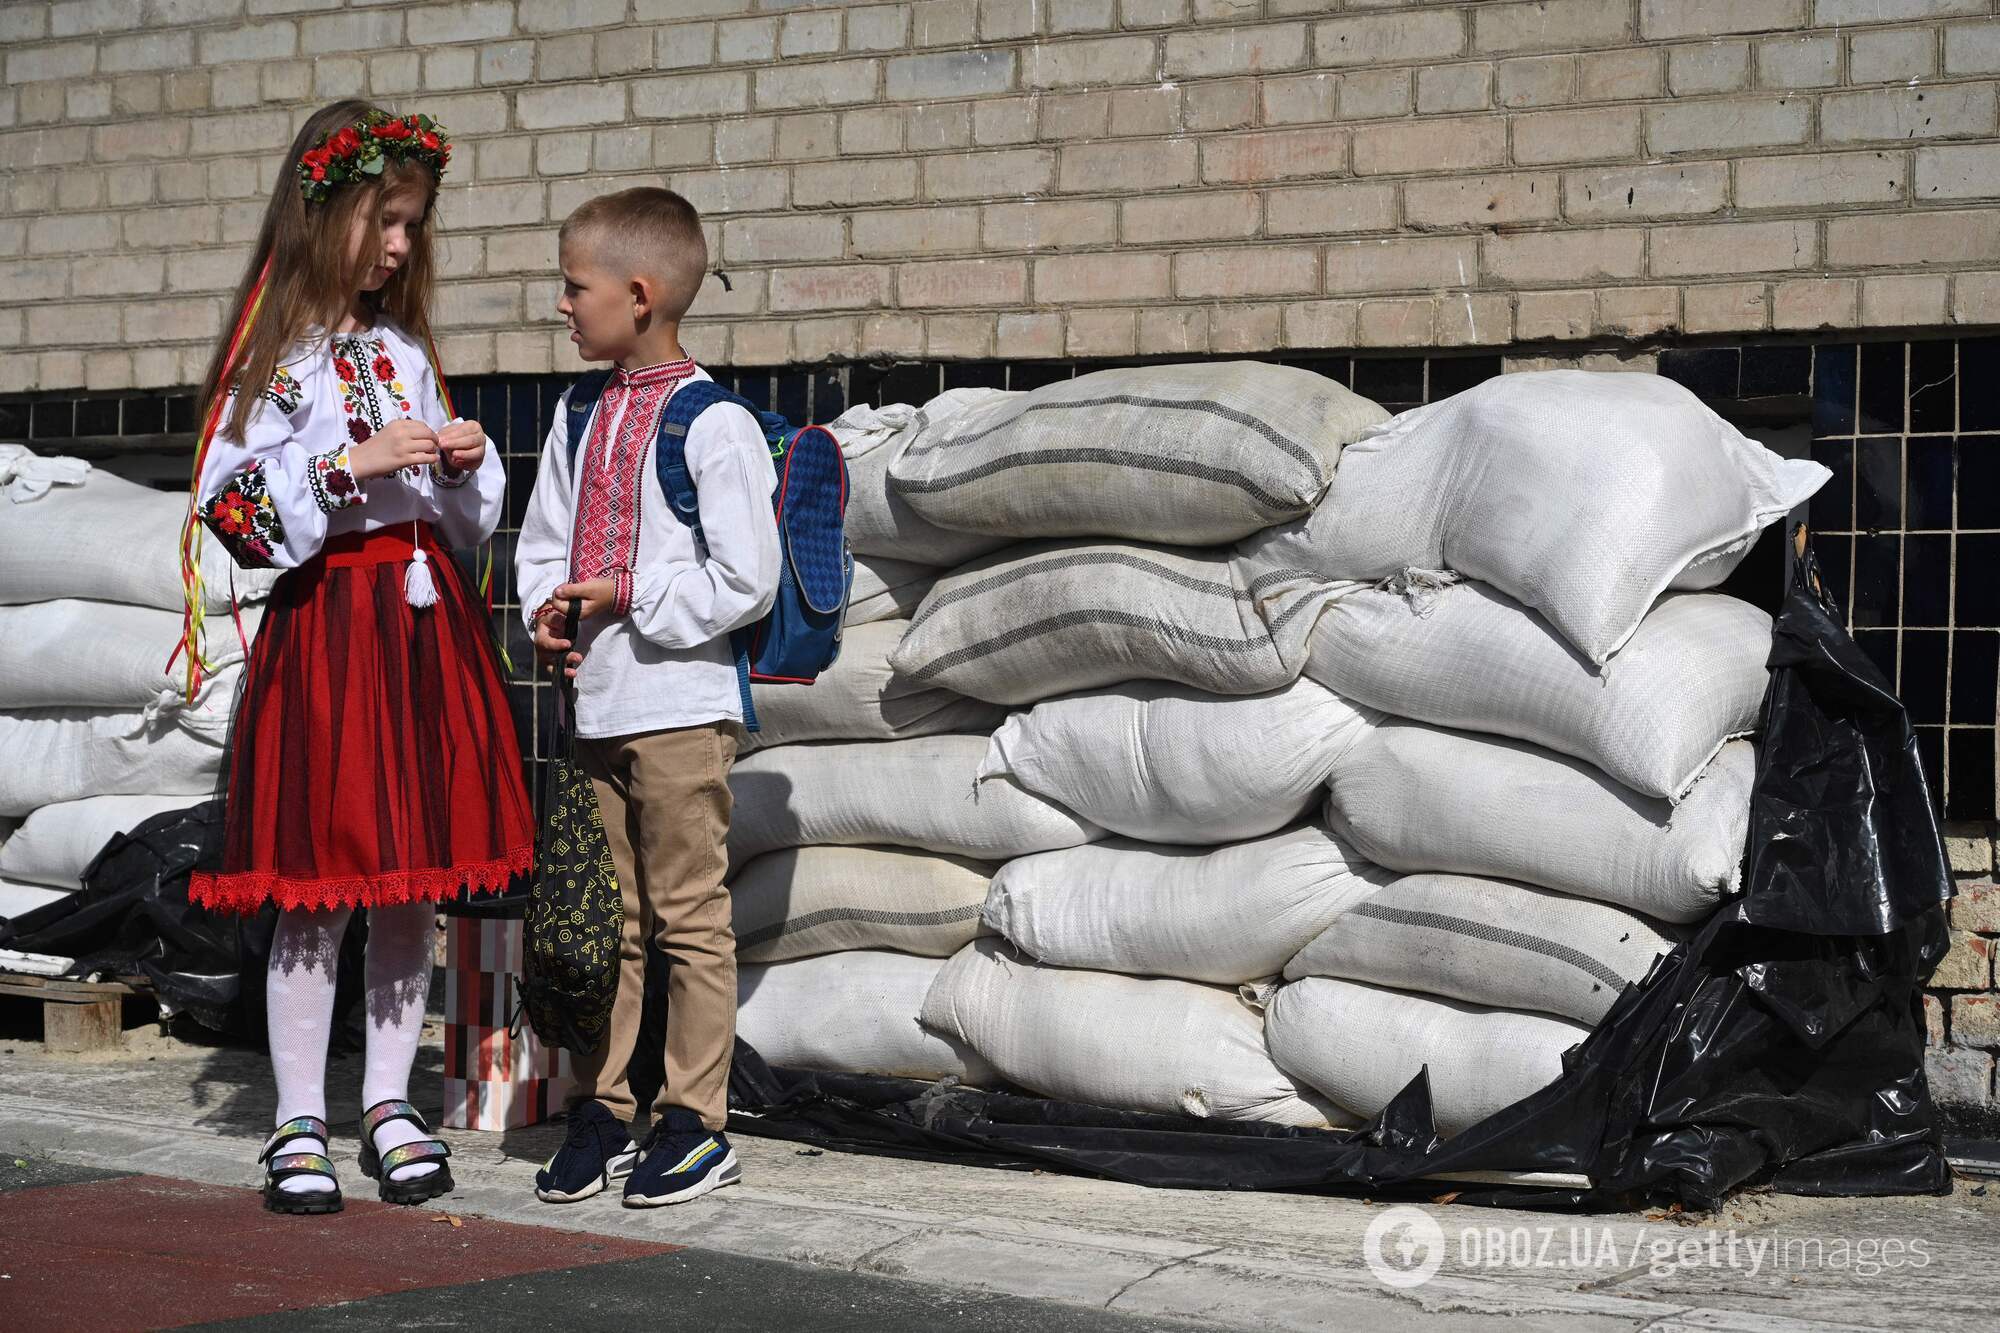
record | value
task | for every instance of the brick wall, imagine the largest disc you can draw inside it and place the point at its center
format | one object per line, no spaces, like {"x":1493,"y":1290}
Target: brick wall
{"x":1962,"y":1006}
{"x":1038,"y":178}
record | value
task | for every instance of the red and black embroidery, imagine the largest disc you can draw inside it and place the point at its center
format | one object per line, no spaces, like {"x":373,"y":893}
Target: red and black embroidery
{"x":332,"y":480}
{"x":362,"y":365}
{"x":243,"y":518}
{"x":284,"y":392}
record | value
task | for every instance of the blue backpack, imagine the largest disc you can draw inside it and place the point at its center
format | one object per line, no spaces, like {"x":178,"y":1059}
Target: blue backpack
{"x":800,"y":636}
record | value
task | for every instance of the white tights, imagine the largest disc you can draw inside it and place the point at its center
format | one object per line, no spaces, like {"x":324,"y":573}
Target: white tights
{"x":299,"y":997}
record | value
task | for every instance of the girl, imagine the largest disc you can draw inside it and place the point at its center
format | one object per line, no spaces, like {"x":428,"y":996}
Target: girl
{"x":374,"y":761}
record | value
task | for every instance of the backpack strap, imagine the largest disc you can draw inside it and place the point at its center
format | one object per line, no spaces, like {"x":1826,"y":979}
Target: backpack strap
{"x":670,"y":461}
{"x":578,"y":404}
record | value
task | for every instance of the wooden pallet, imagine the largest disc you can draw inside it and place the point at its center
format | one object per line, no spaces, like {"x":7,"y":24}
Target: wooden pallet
{"x":76,"y":1015}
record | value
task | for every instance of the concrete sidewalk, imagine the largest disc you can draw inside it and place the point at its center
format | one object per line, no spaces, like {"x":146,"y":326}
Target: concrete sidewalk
{"x":1252,"y":1261}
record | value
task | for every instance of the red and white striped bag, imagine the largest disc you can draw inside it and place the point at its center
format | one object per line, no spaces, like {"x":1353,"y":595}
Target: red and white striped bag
{"x":496,"y":1075}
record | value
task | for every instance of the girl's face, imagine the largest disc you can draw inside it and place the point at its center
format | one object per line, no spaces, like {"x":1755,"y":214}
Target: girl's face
{"x":399,"y":216}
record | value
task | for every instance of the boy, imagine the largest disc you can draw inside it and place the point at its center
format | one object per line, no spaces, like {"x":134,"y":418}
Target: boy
{"x":657,"y":711}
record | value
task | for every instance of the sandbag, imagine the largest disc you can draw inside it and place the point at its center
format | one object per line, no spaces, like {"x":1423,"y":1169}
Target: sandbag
{"x":860,"y":698}
{"x":885,"y":589}
{"x":1228,"y":915}
{"x":1490,"y":942}
{"x":811,"y":900}
{"x":1470,"y":656}
{"x":917,"y":793}
{"x":1166,"y":763}
{"x":1360,"y":1045}
{"x":1138,"y":1044}
{"x":1038,"y":621}
{"x":111,"y":540}
{"x":878,"y":521}
{"x":72,"y":653}
{"x":853,"y":1013}
{"x":65,"y":754}
{"x":56,"y":843}
{"x":1414,"y":798}
{"x":1582,"y":495}
{"x":1194,"y":454}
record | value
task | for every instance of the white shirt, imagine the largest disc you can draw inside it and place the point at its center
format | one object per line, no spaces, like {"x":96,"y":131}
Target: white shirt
{"x":275,"y":496}
{"x":668,"y":662}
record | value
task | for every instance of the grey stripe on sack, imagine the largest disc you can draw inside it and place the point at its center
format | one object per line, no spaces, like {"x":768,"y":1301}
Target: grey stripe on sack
{"x":947,"y":917}
{"x":1075,"y":560}
{"x":1207,"y":405}
{"x":1070,"y":619}
{"x":1479,"y":930}
{"x":1178,"y":467}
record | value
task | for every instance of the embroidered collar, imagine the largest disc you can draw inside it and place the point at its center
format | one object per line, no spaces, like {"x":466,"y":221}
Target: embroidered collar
{"x":649,"y":376}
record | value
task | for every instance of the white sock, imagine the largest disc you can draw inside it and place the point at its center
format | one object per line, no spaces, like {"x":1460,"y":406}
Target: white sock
{"x":298,"y":999}
{"x":400,"y":941}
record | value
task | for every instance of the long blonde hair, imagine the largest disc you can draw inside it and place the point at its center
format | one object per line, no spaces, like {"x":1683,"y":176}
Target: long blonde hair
{"x":312,"y":275}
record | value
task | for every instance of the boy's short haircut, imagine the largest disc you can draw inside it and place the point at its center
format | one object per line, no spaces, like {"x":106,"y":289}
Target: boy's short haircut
{"x":645,"y":232}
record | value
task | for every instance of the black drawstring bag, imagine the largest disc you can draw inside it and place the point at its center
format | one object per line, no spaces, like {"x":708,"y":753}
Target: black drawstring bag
{"x":575,"y":916}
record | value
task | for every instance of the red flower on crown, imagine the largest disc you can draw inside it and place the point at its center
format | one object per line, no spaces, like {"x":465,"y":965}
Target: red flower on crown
{"x":361,"y":150}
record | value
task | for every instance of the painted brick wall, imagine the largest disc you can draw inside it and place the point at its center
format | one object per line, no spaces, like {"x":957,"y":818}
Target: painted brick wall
{"x":964,"y":179}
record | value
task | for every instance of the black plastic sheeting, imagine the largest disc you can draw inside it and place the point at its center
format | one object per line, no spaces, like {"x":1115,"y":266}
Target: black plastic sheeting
{"x":1781,"y":1045}
{"x":132,"y":917}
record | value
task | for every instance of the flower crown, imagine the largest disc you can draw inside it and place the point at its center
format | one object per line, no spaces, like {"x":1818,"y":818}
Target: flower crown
{"x":358,"y":151}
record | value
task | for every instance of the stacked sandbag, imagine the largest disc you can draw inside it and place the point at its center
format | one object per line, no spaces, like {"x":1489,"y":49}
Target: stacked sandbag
{"x":862,"y":698}
{"x":1560,"y":772}
{"x":93,"y":726}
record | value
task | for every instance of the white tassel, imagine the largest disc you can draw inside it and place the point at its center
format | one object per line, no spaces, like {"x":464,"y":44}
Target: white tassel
{"x":418,"y":589}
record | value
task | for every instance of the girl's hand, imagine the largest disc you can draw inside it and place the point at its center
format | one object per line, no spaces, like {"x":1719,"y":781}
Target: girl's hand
{"x":463,"y":444}
{"x":597,"y":595}
{"x":398,"y":445}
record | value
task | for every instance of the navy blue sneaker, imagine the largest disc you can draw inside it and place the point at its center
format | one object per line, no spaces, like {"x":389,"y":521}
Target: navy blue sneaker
{"x":683,"y":1161}
{"x":597,"y":1153}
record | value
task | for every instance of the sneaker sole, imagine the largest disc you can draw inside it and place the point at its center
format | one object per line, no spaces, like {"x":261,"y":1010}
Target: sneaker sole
{"x":726,"y":1174}
{"x":615,"y":1170}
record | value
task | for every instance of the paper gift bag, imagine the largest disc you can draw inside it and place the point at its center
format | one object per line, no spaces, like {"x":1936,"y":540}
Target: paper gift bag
{"x":497,"y":1075}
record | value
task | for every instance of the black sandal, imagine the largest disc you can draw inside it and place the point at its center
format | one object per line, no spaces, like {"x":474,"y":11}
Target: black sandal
{"x":379,"y":1166}
{"x":283,"y":1166}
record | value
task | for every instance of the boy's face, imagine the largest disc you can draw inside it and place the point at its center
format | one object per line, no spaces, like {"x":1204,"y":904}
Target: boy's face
{"x":598,"y":306}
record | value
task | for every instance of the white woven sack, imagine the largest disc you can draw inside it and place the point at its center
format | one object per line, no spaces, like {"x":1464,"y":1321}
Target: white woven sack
{"x":1582,"y":495}
{"x":860,"y":698}
{"x":1413,"y":798}
{"x":851,"y":1013}
{"x":66,"y":754}
{"x":1130,"y":1043}
{"x":1491,"y":942}
{"x":1168,"y":764}
{"x":70,"y":653}
{"x":917,"y":793}
{"x":812,"y":900}
{"x":1470,"y":656}
{"x":1045,"y":620}
{"x":1195,"y":454}
{"x":56,"y":843}
{"x":1361,"y":1045}
{"x":879,"y":522}
{"x":1228,"y":915}
{"x":885,"y":589}
{"x":111,"y":540}
{"x":19,"y":897}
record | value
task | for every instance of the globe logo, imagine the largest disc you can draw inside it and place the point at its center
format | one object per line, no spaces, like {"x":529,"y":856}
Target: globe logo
{"x":1403,"y":1247}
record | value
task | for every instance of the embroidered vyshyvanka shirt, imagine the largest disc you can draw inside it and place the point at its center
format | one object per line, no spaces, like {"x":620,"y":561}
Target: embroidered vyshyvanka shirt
{"x":662,"y":659}
{"x":275,"y":496}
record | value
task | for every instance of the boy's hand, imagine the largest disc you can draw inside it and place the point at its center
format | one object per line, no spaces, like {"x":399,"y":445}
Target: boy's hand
{"x":597,"y":595}
{"x":550,"y":647}
{"x":463,"y":444}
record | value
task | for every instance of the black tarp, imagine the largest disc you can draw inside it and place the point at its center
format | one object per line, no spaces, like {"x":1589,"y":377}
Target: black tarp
{"x":132,"y":917}
{"x":1781,"y":1044}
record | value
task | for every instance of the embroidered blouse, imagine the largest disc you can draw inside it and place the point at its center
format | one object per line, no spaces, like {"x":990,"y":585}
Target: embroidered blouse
{"x":275,"y":496}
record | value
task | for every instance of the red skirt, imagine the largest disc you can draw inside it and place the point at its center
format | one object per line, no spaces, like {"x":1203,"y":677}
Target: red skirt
{"x":373,"y":757}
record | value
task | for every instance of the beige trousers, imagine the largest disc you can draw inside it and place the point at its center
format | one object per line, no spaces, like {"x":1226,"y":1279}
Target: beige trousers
{"x":665,"y":798}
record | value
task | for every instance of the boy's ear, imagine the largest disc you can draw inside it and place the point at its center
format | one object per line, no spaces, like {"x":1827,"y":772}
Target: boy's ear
{"x":645,"y":296}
